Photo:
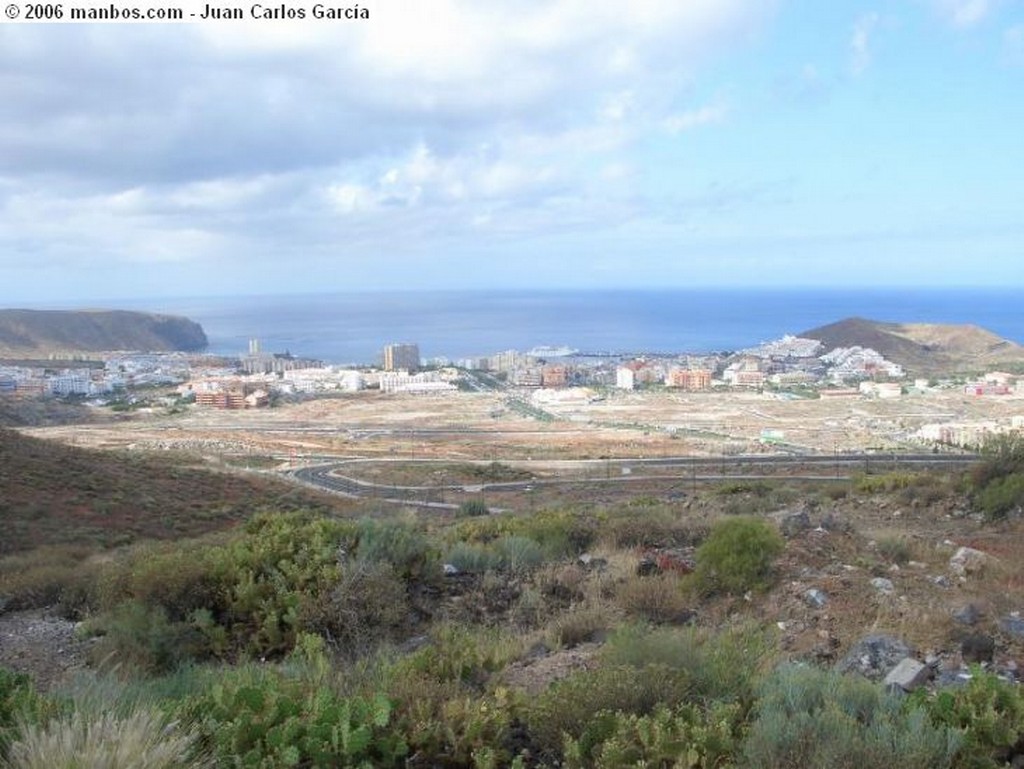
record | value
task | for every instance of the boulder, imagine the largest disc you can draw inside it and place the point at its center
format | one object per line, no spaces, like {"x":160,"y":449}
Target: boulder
{"x":1012,"y":624}
{"x":874,"y":656}
{"x":792,"y":524}
{"x":883,"y":585}
{"x":977,"y":647}
{"x":907,"y":676}
{"x":968,"y":614}
{"x":967,"y":560}
{"x":815,"y":598}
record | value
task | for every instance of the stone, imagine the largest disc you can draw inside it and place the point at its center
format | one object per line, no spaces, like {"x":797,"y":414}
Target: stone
{"x":589,"y":561}
{"x":967,"y":560}
{"x":647,"y":567}
{"x":977,"y":647}
{"x":874,"y":656}
{"x":815,"y":598}
{"x":883,"y":585}
{"x":908,"y":675}
{"x":968,"y":614}
{"x":1012,"y":624}
{"x":450,"y":570}
{"x":794,"y":523}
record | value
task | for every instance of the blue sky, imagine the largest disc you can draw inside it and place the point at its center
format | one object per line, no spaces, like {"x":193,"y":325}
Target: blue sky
{"x":492,"y":143}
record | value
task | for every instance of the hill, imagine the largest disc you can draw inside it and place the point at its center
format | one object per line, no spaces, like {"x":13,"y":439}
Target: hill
{"x":46,"y":332}
{"x":922,"y":347}
{"x":53,"y":494}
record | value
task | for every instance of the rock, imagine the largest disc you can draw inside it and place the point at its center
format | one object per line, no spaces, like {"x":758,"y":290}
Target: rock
{"x":967,"y":560}
{"x":450,"y":570}
{"x":1013,"y":625}
{"x":942,"y":580}
{"x":874,"y":656}
{"x":968,"y":614}
{"x":832,"y":522}
{"x":794,"y":523}
{"x":977,"y":647}
{"x":883,"y":585}
{"x":908,"y":675}
{"x":815,"y":598}
{"x":589,"y":561}
{"x":647,"y":567}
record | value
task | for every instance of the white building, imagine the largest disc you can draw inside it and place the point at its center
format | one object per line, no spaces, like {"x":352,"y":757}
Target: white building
{"x":625,"y":379}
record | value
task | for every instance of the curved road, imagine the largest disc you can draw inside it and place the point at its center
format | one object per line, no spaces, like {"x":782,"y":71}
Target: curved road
{"x":326,"y":476}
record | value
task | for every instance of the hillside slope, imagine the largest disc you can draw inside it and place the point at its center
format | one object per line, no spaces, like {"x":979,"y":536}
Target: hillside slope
{"x":44,"y":332}
{"x":53,"y":494}
{"x":922,"y":347}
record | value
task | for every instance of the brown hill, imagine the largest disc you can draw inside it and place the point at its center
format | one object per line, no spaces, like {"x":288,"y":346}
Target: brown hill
{"x":56,"y":494}
{"x":46,"y":332}
{"x":923,"y":347}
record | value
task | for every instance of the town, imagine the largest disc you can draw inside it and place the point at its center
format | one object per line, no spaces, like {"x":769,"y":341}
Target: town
{"x":790,"y":392}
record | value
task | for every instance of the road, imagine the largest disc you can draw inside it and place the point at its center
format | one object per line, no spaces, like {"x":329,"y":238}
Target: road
{"x":811,"y":467}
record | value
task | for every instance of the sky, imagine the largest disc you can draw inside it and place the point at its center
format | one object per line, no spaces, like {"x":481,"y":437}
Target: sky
{"x":451,"y":144}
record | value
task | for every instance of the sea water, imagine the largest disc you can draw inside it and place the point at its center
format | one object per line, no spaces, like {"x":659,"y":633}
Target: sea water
{"x":353,"y":327}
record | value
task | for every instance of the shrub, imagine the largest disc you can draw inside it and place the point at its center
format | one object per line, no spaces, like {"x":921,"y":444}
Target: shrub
{"x":580,"y":706}
{"x":659,"y":598}
{"x":894,"y":549}
{"x":399,"y":543}
{"x":722,"y":666}
{"x":517,"y":553}
{"x":988,"y":711}
{"x":737,"y":556}
{"x":654,"y":526}
{"x":263,"y":718}
{"x":143,"y":638}
{"x":472,"y":558}
{"x":1002,"y":496}
{"x":472,"y":508}
{"x":684,"y":736}
{"x":578,"y":625}
{"x":141,"y":740}
{"x":812,"y":718}
{"x":18,"y":703}
{"x":367,"y":606}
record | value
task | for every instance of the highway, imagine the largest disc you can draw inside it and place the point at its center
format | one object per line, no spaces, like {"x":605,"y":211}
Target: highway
{"x":330,"y":475}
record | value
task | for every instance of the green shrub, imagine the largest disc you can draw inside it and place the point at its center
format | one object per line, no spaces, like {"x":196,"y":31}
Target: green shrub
{"x":809,"y":718}
{"x":141,"y":740}
{"x":894,"y":549}
{"x":987,"y":711}
{"x":517,"y":553}
{"x":1002,"y":496}
{"x":720,"y":666}
{"x":649,"y":526}
{"x":368,"y":605}
{"x":143,"y":638}
{"x":462,"y":655}
{"x":578,"y":625}
{"x":1001,"y":456}
{"x":683,"y":736}
{"x":19,"y":703}
{"x":659,"y":598}
{"x":580,"y":706}
{"x":399,"y":543}
{"x":472,"y":508}
{"x":262,"y":718}
{"x":737,"y":556}
{"x":472,"y":558}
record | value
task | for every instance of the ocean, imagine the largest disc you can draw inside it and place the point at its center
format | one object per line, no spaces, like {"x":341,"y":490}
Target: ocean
{"x":353,"y":327}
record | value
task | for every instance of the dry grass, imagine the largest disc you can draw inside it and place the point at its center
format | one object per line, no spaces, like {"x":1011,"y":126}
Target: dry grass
{"x":141,"y":740}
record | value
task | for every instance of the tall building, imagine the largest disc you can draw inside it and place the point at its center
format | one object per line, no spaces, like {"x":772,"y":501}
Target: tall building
{"x":401,"y":356}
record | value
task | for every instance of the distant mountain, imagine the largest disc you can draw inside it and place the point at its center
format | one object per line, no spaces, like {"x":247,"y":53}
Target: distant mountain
{"x":922,"y":347}
{"x":45,"y":332}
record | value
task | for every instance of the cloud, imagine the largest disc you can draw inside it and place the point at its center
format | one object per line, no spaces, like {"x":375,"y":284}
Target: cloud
{"x":181,"y":143}
{"x":964,"y":13}
{"x":706,"y":115}
{"x":1013,"y":45}
{"x":860,"y":42}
